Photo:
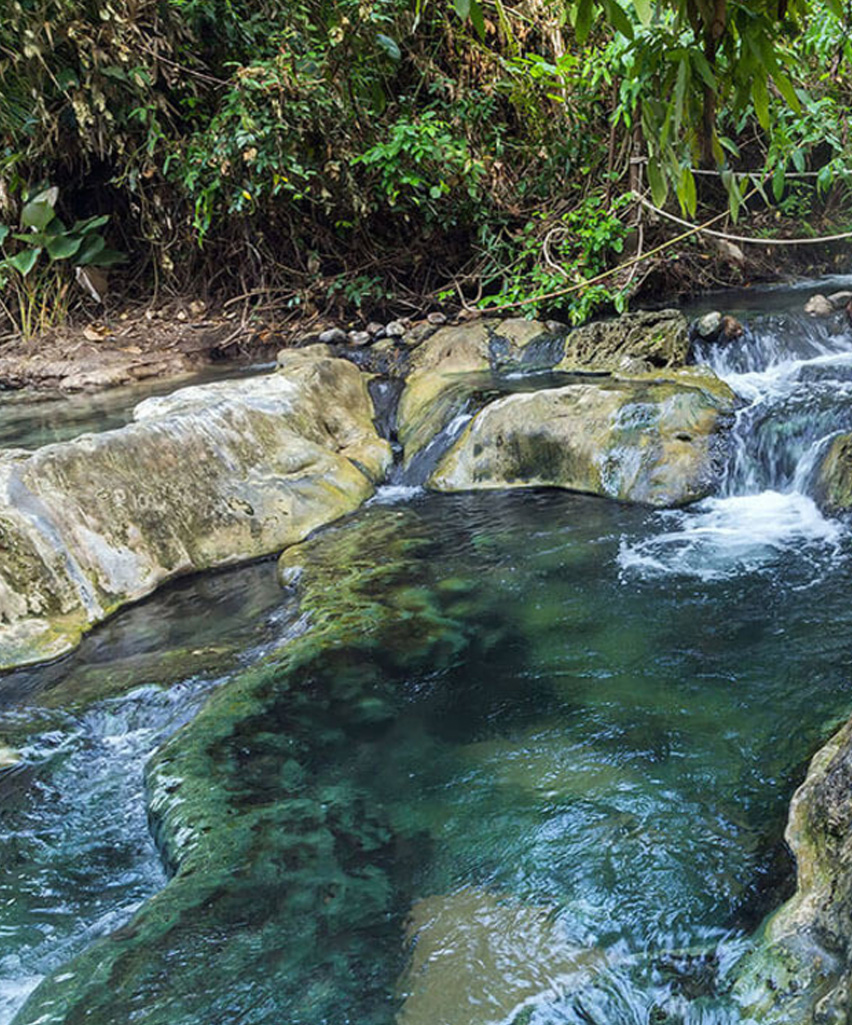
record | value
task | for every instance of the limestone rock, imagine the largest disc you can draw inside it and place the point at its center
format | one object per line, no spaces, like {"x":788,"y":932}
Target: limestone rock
{"x":802,"y":970}
{"x":333,"y":336}
{"x":709,"y":325}
{"x":659,"y":338}
{"x":208,"y":476}
{"x":833,"y":491}
{"x":648,"y":439}
{"x":818,"y":306}
{"x":438,"y":384}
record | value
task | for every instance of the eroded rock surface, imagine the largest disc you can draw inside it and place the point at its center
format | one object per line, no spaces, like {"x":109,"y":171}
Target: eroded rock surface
{"x":802,"y":969}
{"x":650,"y":439}
{"x":206,"y":477}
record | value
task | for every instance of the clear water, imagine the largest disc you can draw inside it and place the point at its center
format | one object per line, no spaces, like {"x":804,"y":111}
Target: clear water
{"x":30,"y":419}
{"x":597,"y":801}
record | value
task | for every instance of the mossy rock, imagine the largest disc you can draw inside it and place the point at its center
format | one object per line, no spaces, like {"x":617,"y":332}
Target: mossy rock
{"x":286,"y":898}
{"x":657,"y":440}
{"x":834,"y":477}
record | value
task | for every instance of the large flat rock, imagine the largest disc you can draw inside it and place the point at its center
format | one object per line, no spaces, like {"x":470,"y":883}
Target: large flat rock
{"x":206,"y":477}
{"x":657,"y":440}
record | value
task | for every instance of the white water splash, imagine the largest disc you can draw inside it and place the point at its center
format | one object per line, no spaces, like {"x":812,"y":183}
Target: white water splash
{"x":722,"y":537}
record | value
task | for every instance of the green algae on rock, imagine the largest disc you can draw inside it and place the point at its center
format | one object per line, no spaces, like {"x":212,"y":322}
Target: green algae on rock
{"x":277,"y":856}
{"x":653,"y":339}
{"x":801,"y":970}
{"x":208,"y":476}
{"x":651,"y":439}
{"x":834,"y":477}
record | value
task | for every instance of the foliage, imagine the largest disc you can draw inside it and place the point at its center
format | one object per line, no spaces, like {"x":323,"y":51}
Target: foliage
{"x":36,"y":261}
{"x":361,"y":148}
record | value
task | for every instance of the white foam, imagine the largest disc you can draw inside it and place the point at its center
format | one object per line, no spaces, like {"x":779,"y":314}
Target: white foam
{"x":394,"y":494}
{"x":722,"y":537}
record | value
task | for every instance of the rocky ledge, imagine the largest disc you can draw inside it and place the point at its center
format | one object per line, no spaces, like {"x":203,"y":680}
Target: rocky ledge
{"x":216,"y":474}
{"x":206,"y":477}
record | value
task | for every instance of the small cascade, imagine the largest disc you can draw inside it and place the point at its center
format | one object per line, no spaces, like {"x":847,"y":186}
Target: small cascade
{"x":794,"y":376}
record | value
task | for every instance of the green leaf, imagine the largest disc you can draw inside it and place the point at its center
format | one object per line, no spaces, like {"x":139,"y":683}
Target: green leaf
{"x":477,"y":18}
{"x":785,"y":87}
{"x":657,"y":181}
{"x":760,"y":96}
{"x":778,"y":182}
{"x":108,"y":258}
{"x":389,"y":46}
{"x":60,"y":247}
{"x":686,"y":192}
{"x":24,"y":261}
{"x":462,"y":8}
{"x":92,"y":246}
{"x":825,"y":178}
{"x":583,"y":22}
{"x":618,"y":19}
{"x":37,"y":214}
{"x":643,"y":9}
{"x":4,"y":231}
{"x":89,"y":224}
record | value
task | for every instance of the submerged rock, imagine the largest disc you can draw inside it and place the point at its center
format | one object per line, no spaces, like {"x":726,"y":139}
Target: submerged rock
{"x":480,"y":958}
{"x":650,"y":439}
{"x":208,"y":476}
{"x":287,"y":887}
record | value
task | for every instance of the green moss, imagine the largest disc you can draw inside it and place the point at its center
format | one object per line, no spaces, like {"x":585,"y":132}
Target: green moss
{"x":284,"y":871}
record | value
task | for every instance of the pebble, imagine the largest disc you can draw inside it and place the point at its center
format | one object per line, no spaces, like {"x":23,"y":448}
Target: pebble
{"x":396,"y":329}
{"x":818,"y":306}
{"x":333,"y":336}
{"x":709,"y":325}
{"x":359,"y":338}
{"x":374,"y":327}
{"x":437,"y":318}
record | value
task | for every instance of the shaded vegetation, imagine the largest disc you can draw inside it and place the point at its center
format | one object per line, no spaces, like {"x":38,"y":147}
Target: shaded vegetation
{"x":349,"y":152}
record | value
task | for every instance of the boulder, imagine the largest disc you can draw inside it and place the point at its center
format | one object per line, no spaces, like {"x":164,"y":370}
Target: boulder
{"x":653,"y":439}
{"x":833,"y":486}
{"x":659,"y":338}
{"x":205,"y":477}
{"x":801,"y":970}
{"x":818,"y":306}
{"x":439,"y":382}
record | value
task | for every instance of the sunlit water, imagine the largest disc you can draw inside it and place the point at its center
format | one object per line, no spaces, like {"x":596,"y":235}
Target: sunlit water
{"x":598,"y":802}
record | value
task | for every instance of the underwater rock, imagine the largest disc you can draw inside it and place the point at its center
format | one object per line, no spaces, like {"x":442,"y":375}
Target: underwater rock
{"x":657,"y":440}
{"x":802,"y":969}
{"x":208,"y":476}
{"x":480,"y":958}
{"x":287,"y":888}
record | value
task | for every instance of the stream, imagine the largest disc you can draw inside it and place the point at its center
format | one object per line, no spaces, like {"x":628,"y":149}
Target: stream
{"x":598,"y":798}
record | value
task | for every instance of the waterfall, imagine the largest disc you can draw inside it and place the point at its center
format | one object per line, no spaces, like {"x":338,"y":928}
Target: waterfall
{"x":793,"y":375}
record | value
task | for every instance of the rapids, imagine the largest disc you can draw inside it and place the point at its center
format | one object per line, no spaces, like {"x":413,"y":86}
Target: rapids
{"x":590,"y":812}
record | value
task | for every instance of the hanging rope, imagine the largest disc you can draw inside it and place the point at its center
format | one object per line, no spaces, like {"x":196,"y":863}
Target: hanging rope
{"x":743,"y":238}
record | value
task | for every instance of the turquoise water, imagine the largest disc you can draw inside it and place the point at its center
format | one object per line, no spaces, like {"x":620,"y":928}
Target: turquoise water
{"x":583,"y":806}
